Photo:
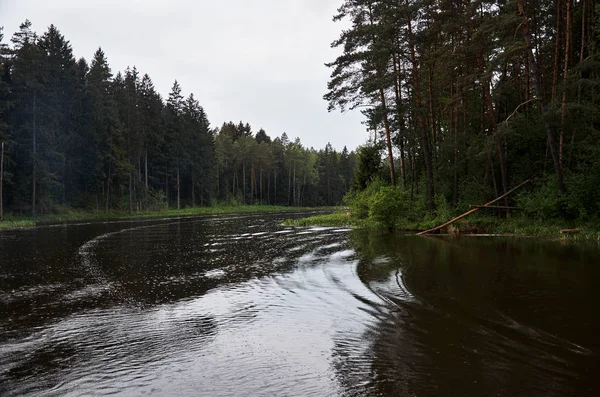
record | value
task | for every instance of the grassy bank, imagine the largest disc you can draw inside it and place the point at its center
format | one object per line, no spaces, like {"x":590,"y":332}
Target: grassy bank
{"x":476,"y":224}
{"x":339,"y":218}
{"x":15,"y":221}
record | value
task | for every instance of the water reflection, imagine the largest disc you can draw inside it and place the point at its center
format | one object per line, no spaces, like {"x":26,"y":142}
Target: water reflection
{"x":480,"y":317}
{"x":235,"y":305}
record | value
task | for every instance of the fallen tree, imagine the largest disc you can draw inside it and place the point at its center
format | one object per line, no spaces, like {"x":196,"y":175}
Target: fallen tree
{"x":477,"y":208}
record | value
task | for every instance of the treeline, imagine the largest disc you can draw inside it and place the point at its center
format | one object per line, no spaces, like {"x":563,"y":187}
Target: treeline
{"x":470,"y":98}
{"x":77,"y":136}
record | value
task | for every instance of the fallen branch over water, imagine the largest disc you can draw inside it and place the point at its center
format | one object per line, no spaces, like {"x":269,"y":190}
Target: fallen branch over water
{"x":435,"y":229}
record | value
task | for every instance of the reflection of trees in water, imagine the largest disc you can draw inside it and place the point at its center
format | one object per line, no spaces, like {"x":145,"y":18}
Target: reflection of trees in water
{"x":473,"y":322}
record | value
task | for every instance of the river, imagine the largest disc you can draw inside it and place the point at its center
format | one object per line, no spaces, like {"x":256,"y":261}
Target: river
{"x":236,"y":305}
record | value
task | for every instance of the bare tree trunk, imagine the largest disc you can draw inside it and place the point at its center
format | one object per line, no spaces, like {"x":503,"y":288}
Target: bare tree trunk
{"x":565,"y":76}
{"x":233,"y":183}
{"x":194,"y":190}
{"x":108,"y":186}
{"x":538,"y":89}
{"x":581,"y":57}
{"x":244,"y":182}
{"x":289,"y":186}
{"x":424,"y":133}
{"x":556,"y":50}
{"x":386,"y":123}
{"x":411,"y":160}
{"x":167,"y":184}
{"x":294,"y":180}
{"x":1,"y":181}
{"x":432,"y":115}
{"x":147,"y":192}
{"x":218,"y":182}
{"x":388,"y":137}
{"x":454,"y":131}
{"x":34,"y":171}
{"x":400,"y":127}
{"x":261,"y":183}
{"x":178,"y":188}
{"x":252,"y":183}
{"x":130,"y":195}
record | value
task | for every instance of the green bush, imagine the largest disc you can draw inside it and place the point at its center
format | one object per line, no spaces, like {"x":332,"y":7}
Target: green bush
{"x":359,"y":201}
{"x":579,"y":202}
{"x":387,"y":205}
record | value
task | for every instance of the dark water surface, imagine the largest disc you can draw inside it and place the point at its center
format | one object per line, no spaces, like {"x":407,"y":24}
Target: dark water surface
{"x":237,"y":305}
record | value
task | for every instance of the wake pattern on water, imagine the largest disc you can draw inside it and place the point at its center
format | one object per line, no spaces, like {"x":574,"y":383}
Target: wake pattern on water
{"x":240,"y":305}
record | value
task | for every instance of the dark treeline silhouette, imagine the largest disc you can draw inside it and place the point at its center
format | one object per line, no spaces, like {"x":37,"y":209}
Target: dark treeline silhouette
{"x":470,"y":98}
{"x":77,"y":136}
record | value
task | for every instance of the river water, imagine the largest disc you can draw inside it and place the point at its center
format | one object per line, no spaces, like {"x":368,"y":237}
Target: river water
{"x":238,"y":305}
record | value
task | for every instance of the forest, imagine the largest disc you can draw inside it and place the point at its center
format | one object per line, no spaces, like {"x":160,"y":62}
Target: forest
{"x":467,"y":99}
{"x":77,"y":136}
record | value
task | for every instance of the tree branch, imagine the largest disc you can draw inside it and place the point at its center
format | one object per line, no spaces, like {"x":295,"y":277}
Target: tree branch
{"x":515,"y":111}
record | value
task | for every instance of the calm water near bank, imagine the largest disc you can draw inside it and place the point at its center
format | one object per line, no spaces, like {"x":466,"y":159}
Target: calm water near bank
{"x":238,"y":305}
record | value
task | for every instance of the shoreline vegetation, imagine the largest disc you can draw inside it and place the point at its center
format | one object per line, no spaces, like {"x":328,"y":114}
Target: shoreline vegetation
{"x":12,"y":222}
{"x":476,"y":225}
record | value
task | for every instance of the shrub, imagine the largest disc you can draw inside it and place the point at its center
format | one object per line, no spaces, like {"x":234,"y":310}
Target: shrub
{"x":359,"y":201}
{"x":387,"y":205}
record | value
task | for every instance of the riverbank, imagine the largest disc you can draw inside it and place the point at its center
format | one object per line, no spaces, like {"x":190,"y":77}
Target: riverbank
{"x":16,"y":222}
{"x":475,"y":225}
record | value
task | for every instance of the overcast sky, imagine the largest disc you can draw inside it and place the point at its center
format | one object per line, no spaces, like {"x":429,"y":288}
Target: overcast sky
{"x":260,"y":61}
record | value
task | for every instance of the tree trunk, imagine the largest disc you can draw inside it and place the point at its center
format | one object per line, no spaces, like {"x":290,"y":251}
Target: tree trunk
{"x":194,"y":190}
{"x":489,"y":111}
{"x":130,"y":195}
{"x":386,"y":122}
{"x":454,"y":131}
{"x":411,"y":160}
{"x":432,"y":115}
{"x":290,"y":186}
{"x":424,"y":133}
{"x":474,"y":209}
{"x":556,"y":50}
{"x":581,"y":57}
{"x":1,"y":181}
{"x":108,"y":186}
{"x":178,"y":188}
{"x":401,"y":121}
{"x":538,"y":90}
{"x":167,"y":184}
{"x":34,"y":171}
{"x":146,"y":192}
{"x":252,"y":183}
{"x":565,"y":76}
{"x":388,"y":137}
{"x":244,"y":182}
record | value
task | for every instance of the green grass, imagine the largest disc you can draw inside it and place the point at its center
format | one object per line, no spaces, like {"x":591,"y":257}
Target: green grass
{"x":14,"y":221}
{"x":335,"y":219}
{"x":518,"y":225}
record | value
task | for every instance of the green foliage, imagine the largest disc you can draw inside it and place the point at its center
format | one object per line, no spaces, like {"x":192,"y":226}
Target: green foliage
{"x":78,"y":136}
{"x":360,"y":200}
{"x":387,"y":205}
